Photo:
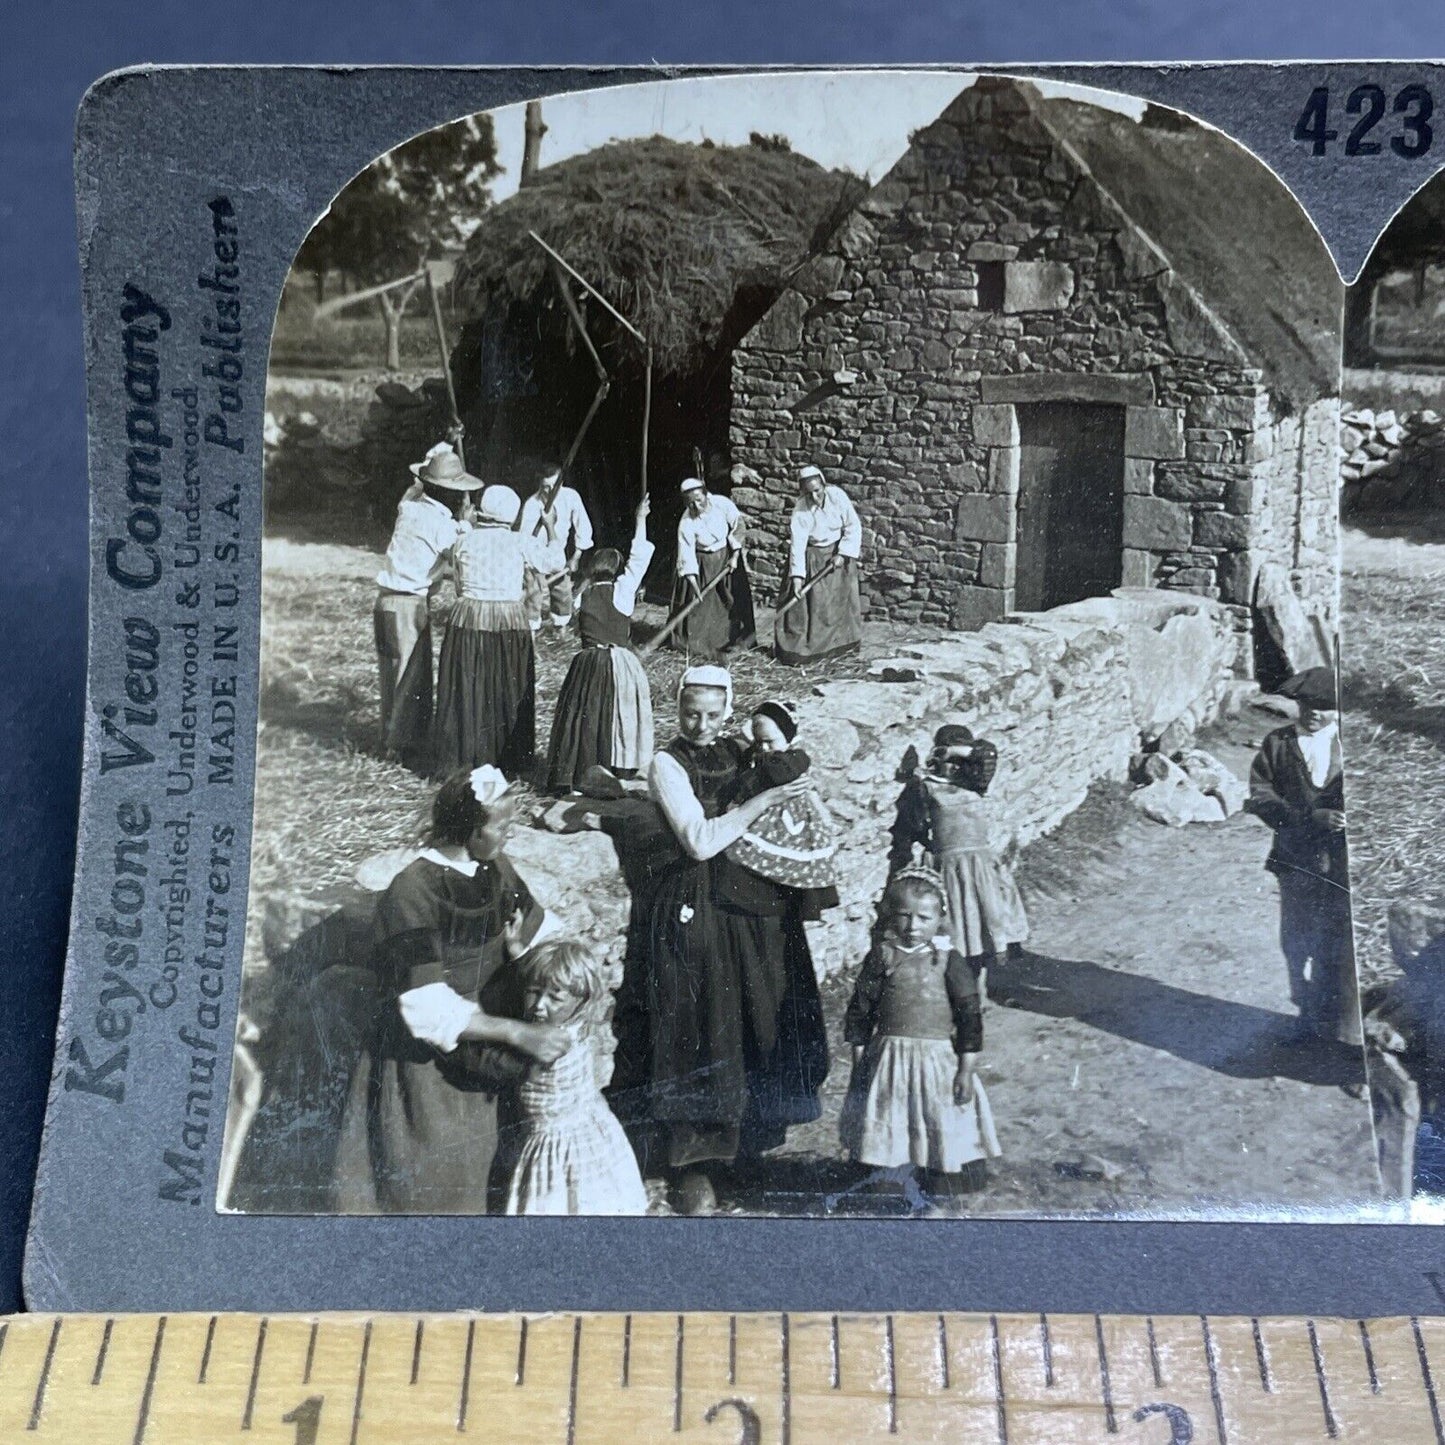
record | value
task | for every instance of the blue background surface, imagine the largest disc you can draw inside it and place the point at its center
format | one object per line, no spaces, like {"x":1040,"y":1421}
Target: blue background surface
{"x":48,"y":56}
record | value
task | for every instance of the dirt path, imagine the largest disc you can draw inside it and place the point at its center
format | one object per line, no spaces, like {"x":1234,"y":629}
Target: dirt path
{"x":1146,"y":1026}
{"x":1143,"y":1028}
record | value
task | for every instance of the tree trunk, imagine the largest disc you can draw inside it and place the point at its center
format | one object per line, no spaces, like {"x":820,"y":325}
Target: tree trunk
{"x":531,"y":144}
{"x":1359,"y":320}
{"x":391,"y":318}
{"x":319,"y":280}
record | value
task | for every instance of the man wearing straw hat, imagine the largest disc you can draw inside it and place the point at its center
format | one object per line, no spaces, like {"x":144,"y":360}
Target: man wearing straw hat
{"x":427,"y":526}
{"x":820,"y":613}
{"x":712,"y":580}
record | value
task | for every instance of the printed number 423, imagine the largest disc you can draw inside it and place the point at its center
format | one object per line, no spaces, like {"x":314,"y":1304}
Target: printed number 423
{"x":1413,"y":104}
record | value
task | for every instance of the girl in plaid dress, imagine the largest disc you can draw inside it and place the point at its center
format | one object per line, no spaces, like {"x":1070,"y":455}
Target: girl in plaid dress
{"x":574,"y":1158}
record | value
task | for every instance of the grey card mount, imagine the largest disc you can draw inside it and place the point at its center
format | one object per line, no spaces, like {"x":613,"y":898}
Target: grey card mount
{"x":709,"y":689}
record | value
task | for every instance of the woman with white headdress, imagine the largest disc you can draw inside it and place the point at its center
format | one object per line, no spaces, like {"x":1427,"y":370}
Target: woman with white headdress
{"x":419,"y":1131}
{"x":712,"y":574}
{"x":720,"y":1037}
{"x":487,"y":676}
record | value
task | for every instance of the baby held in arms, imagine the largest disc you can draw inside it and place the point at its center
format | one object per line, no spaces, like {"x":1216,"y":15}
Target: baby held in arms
{"x":795,"y":842}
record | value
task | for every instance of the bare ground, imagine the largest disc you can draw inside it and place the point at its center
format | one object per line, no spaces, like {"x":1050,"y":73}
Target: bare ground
{"x":1144,"y":1028}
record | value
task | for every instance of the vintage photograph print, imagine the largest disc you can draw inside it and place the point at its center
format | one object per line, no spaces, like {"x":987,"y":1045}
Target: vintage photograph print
{"x":1392,"y":446}
{"x":798,"y":670}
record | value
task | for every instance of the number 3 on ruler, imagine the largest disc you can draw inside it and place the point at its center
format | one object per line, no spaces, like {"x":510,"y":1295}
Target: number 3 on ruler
{"x":1413,"y":104}
{"x":306,"y":1417}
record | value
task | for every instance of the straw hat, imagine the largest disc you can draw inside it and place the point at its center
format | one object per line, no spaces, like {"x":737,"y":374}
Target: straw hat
{"x":442,"y":467}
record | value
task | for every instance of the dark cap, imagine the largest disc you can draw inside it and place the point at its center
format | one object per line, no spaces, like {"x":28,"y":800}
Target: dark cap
{"x":952,"y":735}
{"x":780,"y":714}
{"x":1314,"y":687}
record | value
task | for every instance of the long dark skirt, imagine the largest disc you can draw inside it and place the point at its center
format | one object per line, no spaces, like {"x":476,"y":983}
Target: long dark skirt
{"x":828,"y":622}
{"x":486,"y":690}
{"x":725,"y":616}
{"x":721,"y":1040}
{"x":603,"y":718}
{"x":412,"y":1142}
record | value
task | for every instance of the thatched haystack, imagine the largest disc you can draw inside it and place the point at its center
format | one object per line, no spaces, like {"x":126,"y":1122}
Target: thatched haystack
{"x":691,"y":243}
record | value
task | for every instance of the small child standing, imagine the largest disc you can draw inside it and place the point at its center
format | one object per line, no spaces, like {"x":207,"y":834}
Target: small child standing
{"x":795,"y":843}
{"x":916,"y":1028}
{"x":574,"y":1157}
{"x":942,"y":810}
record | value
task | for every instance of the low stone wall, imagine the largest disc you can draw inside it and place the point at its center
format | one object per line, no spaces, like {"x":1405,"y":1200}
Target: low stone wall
{"x":1067,"y":696}
{"x":1391,"y":462}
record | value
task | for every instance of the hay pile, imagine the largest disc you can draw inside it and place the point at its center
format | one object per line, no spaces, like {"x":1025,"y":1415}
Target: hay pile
{"x":1393,"y":729}
{"x":674,"y":235}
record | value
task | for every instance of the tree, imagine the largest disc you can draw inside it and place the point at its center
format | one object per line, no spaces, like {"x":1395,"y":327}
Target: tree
{"x":416,"y":203}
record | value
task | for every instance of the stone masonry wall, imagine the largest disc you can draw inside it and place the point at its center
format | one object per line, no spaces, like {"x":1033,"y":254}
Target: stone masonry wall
{"x":986,"y":269}
{"x":1297,"y":510}
{"x":1067,"y":696}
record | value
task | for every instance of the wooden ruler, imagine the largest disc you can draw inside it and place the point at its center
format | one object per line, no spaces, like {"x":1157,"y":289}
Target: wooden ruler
{"x":755,"y":1379}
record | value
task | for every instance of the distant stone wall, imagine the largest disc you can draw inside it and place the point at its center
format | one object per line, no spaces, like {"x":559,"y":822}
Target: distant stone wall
{"x":1391,"y":463}
{"x":986,"y":270}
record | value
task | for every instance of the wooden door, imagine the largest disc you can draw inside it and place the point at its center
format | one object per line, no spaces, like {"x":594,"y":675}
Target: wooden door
{"x":1071,"y":503}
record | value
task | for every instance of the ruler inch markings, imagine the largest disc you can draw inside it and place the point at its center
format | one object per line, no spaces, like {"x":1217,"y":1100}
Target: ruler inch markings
{"x":996,"y":1356}
{"x":250,"y":1410}
{"x":1153,"y":1352}
{"x":206,"y":1352}
{"x":1369,"y":1351}
{"x":1216,"y":1397}
{"x":1428,"y":1377}
{"x":100,"y":1354}
{"x":39,"y":1403}
{"x":360,"y":1383}
{"x":929,"y":1375}
{"x":464,"y":1399}
{"x":1261,"y":1356}
{"x":1047,"y":1341}
{"x":785,"y":1369}
{"x":572,"y":1385}
{"x":143,"y":1415}
{"x":677,"y":1380}
{"x":1332,"y":1425}
{"x":1111,"y":1421}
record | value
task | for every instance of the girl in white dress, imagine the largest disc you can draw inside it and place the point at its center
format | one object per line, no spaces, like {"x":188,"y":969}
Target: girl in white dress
{"x":574,"y":1158}
{"x":915,"y":1101}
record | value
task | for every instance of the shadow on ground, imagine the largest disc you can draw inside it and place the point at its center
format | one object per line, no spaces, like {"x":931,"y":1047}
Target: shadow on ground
{"x":1235,"y":1039}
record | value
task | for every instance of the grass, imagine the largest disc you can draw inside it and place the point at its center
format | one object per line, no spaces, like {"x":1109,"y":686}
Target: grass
{"x":325,"y":797}
{"x":1394,"y":729}
{"x":351,"y":340}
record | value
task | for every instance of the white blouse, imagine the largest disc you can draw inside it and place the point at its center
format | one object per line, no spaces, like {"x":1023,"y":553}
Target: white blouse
{"x":491,"y":563}
{"x":701,"y":837}
{"x":721,"y":525}
{"x":834,"y":521}
{"x":625,"y":588}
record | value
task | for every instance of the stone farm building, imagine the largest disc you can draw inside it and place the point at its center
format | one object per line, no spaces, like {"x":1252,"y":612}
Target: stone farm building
{"x":1055,"y":351}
